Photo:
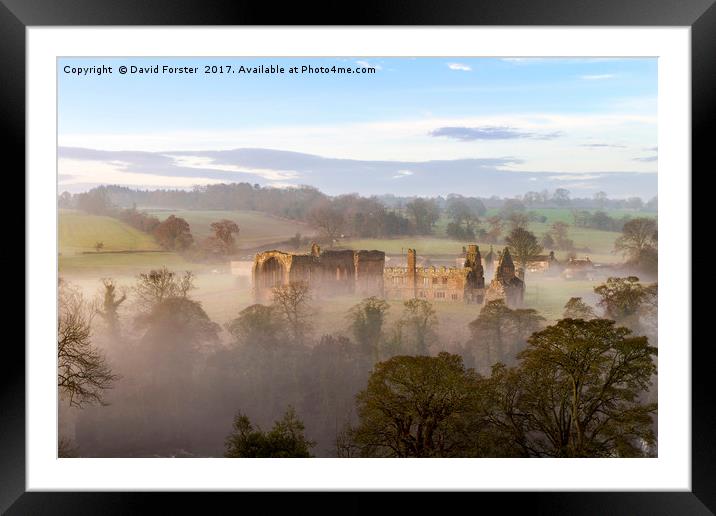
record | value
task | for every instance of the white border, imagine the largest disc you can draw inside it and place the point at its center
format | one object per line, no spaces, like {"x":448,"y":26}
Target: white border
{"x":671,"y":470}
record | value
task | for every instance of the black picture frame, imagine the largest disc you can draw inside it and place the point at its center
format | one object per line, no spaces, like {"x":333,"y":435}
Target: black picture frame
{"x":700,"y":15}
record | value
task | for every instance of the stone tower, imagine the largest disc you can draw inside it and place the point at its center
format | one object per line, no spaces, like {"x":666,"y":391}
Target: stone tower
{"x":473,"y":260}
{"x":475,"y":284}
{"x":506,"y":267}
{"x":506,"y":285}
{"x":412,"y":278}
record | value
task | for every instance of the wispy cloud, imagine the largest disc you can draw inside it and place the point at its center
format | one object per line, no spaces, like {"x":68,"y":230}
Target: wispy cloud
{"x":647,"y":159}
{"x":599,"y":145}
{"x":597,"y":77}
{"x":575,"y":177}
{"x":211,"y":163}
{"x":403,"y":173}
{"x":466,"y":134}
{"x":369,"y":65}
{"x":279,"y":168}
{"x":459,"y":66}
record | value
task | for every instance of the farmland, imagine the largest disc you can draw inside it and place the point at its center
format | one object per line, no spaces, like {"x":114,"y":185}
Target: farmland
{"x":256,"y":229}
{"x":127,"y":252}
{"x":79,"y":232}
{"x":124,"y":248}
{"x":595,"y":243}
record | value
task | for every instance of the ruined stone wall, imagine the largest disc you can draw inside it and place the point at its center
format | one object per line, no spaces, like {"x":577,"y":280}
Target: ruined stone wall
{"x":369,"y":266}
{"x":432,"y":283}
{"x":270,"y":269}
{"x":364,"y":274}
{"x":335,"y":273}
{"x":327,"y":273}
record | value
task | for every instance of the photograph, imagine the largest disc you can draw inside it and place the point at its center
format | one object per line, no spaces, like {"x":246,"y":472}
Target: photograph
{"x":357,"y":257}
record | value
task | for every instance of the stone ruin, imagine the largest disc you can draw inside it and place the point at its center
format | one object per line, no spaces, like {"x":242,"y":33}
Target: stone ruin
{"x":326,"y":272}
{"x":363,"y":273}
{"x":506,"y":284}
{"x":464,"y":284}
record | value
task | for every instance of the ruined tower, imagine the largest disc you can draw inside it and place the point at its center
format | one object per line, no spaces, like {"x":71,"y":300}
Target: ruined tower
{"x":475,"y":284}
{"x":412,"y":271}
{"x":506,"y":267}
{"x":506,"y":285}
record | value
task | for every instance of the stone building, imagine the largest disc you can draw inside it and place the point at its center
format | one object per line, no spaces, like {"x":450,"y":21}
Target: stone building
{"x":542,"y":262}
{"x":456,"y":284}
{"x":506,"y":284}
{"x":326,"y":272}
{"x":578,"y":269}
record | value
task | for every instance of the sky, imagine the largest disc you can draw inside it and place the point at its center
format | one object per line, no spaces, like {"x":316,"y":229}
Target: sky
{"x":416,"y":126}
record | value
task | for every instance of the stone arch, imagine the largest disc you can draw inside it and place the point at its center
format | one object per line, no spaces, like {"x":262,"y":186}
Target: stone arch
{"x":270,"y":269}
{"x":270,"y":273}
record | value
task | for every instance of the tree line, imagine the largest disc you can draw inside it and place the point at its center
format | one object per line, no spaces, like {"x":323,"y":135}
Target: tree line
{"x":354,"y":215}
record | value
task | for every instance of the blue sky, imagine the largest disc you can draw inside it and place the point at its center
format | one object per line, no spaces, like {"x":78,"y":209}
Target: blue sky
{"x":416,"y":126}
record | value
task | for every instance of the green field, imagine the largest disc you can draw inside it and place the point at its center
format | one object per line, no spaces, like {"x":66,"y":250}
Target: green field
{"x":79,"y":232}
{"x":122,"y":251}
{"x":600,"y":244}
{"x":223,"y":295}
{"x":565,"y":214}
{"x":596,"y":244}
{"x":256,"y":229}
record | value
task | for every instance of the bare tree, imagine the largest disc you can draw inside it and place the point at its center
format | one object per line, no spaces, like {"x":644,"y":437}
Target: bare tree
{"x":293,"y":302}
{"x":160,"y":284}
{"x":83,"y":373}
{"x":495,"y":225}
{"x":328,"y":219}
{"x":518,"y":221}
{"x":111,"y":305}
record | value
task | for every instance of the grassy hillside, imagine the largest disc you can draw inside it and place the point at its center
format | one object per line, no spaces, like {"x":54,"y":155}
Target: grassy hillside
{"x":256,"y":229}
{"x":596,"y":244}
{"x":80,"y":232}
{"x":122,"y":251}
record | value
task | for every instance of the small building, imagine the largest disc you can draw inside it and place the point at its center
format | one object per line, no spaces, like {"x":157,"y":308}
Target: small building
{"x":542,"y":262}
{"x":578,"y":269}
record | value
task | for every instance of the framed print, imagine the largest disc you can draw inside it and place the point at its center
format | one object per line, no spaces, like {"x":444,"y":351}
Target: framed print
{"x":419,"y":253}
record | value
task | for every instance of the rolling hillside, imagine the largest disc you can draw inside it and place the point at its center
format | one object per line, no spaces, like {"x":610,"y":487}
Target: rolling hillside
{"x":79,"y":232}
{"x":125,"y":250}
{"x":256,"y":229}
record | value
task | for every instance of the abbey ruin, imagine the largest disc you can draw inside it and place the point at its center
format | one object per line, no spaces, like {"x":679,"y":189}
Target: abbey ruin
{"x":363,"y":273}
{"x":326,"y":272}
